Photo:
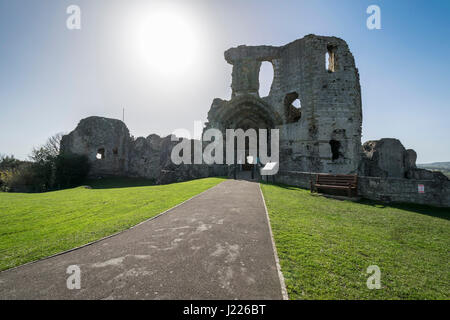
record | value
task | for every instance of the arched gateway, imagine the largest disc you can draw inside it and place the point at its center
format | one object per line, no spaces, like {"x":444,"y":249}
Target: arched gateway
{"x":247,"y":111}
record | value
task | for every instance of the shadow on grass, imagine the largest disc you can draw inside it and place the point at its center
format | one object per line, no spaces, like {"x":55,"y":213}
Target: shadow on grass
{"x":118,"y":182}
{"x":125,"y":182}
{"x":438,"y":212}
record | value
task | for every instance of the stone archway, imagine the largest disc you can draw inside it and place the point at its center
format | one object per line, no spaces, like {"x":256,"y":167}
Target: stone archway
{"x":244,"y":112}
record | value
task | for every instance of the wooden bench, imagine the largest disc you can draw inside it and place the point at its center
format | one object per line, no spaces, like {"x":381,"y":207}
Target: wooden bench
{"x":336,"y":182}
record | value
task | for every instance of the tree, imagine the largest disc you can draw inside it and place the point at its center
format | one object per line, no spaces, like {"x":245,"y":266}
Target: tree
{"x":44,"y":163}
{"x":9,"y":162}
{"x":49,"y":150}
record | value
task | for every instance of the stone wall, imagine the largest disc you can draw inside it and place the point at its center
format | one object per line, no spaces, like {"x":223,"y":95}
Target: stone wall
{"x":388,"y":172}
{"x":95,"y":136}
{"x":386,"y":189}
{"x":436,"y":192}
{"x":295,"y":178}
{"x":111,"y":151}
{"x":386,"y":158}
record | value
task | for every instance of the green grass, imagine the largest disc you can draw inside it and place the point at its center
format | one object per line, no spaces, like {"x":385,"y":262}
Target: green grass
{"x":33,"y":226}
{"x":326,"y":245}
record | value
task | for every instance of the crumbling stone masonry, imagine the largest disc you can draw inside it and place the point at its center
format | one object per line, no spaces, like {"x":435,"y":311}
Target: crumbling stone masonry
{"x":113,"y":152}
{"x":323,"y":135}
{"x":388,"y":173}
{"x":106,"y":143}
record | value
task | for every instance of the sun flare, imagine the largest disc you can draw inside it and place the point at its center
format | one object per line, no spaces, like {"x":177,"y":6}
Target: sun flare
{"x":167,"y":41}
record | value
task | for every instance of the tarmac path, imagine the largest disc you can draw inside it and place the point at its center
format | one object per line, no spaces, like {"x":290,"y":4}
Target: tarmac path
{"x":217,"y":245}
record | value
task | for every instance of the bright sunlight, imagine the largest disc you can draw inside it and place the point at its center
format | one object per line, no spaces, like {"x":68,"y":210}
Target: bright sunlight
{"x":167,"y":40}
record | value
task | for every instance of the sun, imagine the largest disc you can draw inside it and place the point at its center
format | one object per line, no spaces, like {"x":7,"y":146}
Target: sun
{"x":167,"y":40}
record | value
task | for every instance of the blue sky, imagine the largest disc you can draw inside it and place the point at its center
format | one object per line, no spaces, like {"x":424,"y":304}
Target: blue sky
{"x":52,"y":77}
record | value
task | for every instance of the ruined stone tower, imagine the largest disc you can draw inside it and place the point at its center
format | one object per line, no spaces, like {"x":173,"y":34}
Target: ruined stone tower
{"x":324,"y":134}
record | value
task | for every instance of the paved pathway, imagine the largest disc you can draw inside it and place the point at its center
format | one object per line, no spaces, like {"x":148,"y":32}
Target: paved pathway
{"x":215,"y":246}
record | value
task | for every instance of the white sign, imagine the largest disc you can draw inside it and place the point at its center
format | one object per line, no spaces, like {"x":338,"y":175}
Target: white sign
{"x":269,"y":169}
{"x":421,"y":188}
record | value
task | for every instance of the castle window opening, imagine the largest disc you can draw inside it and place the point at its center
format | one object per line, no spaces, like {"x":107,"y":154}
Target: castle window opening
{"x":266,"y":74}
{"x":294,"y":106}
{"x":335,"y":147}
{"x":330,"y":59}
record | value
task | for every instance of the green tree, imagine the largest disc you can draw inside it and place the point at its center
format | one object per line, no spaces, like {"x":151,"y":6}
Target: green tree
{"x":44,"y":163}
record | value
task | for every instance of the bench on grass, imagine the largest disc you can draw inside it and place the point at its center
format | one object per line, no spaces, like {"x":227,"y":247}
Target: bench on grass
{"x":336,"y":182}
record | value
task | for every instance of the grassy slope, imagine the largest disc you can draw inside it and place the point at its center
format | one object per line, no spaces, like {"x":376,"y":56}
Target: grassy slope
{"x":34,"y":226}
{"x":326,"y":245}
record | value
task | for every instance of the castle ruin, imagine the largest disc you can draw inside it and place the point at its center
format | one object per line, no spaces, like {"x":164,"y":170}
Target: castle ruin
{"x":322,"y":135}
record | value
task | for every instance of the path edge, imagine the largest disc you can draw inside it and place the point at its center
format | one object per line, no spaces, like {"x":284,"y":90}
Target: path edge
{"x":112,"y":235}
{"x":277,"y":260}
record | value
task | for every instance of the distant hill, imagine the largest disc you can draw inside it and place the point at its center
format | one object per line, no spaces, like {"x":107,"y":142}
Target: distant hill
{"x":436,"y":165}
{"x":443,"y":167}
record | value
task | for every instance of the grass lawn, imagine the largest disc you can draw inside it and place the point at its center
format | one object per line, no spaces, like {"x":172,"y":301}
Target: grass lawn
{"x":326,"y":245}
{"x":34,"y":226}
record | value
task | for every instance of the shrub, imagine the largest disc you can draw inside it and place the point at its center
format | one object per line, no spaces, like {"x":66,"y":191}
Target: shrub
{"x":22,"y":179}
{"x":8,"y":164}
{"x":48,"y":170}
{"x":63,"y":171}
{"x":4,"y":176}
